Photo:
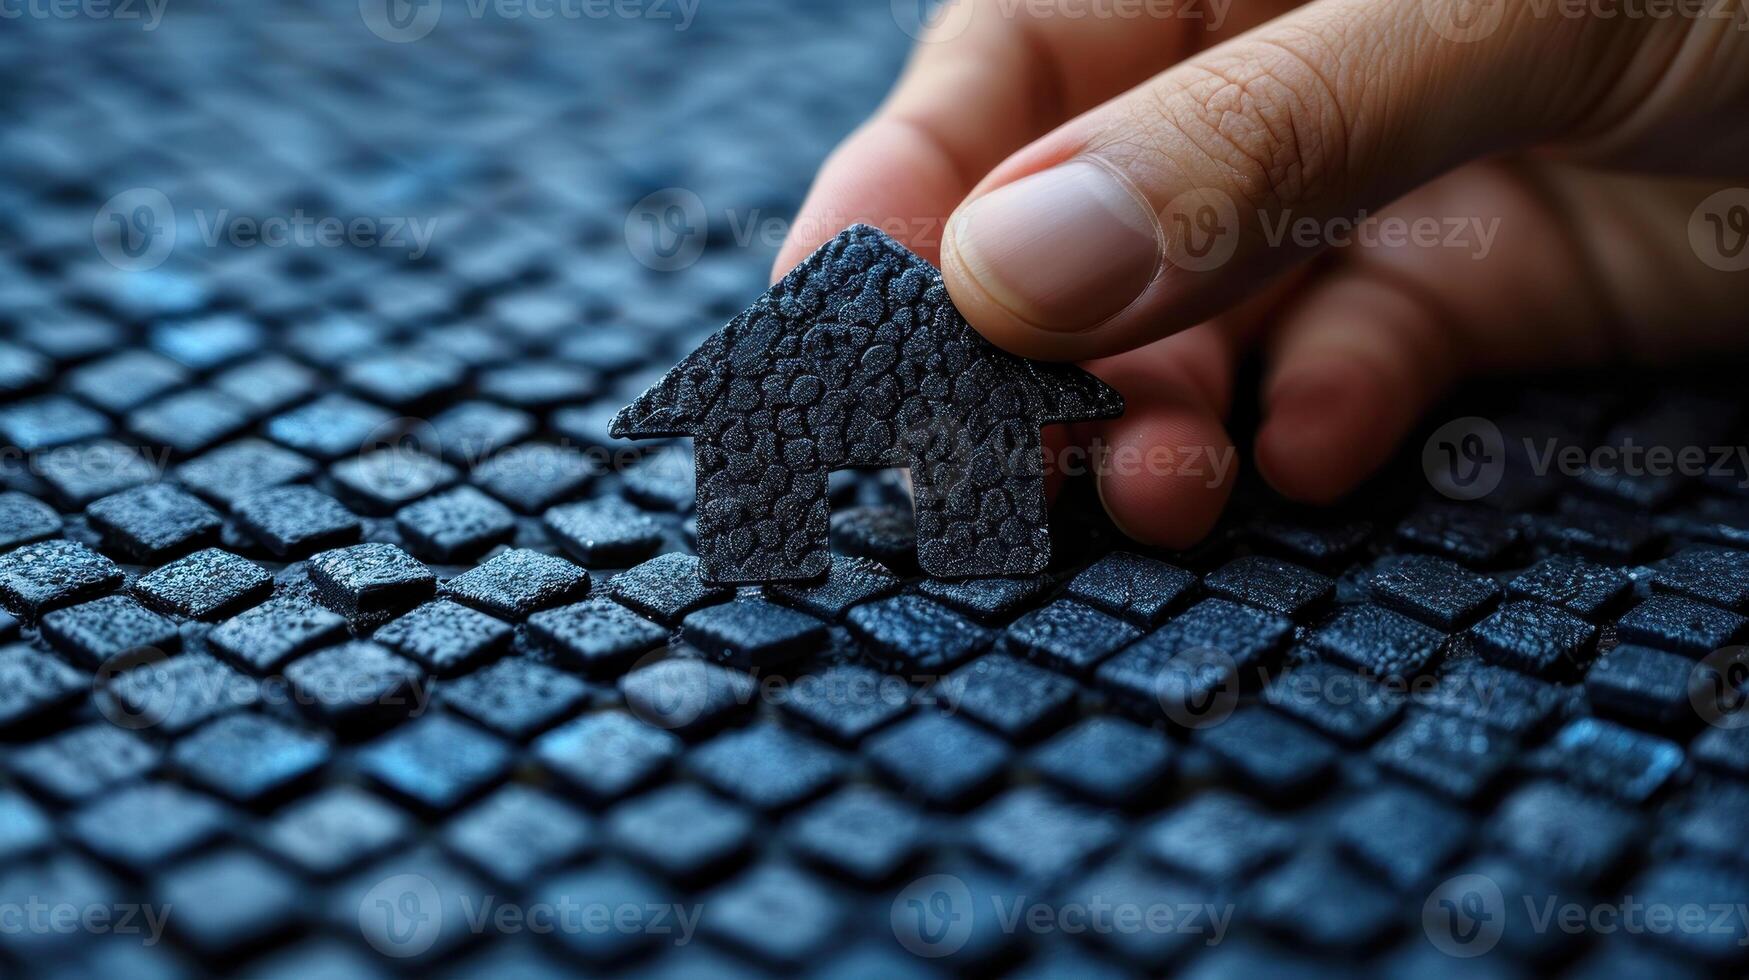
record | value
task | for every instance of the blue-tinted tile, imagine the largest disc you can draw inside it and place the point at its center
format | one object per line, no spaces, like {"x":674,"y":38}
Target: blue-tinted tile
{"x":445,"y":637}
{"x":50,"y":574}
{"x":1441,"y":593}
{"x":516,"y":697}
{"x":1536,"y":639}
{"x":1378,"y":642}
{"x":1622,"y":763}
{"x":1019,"y":701}
{"x":1108,"y":760}
{"x":682,"y":832}
{"x":849,"y":582}
{"x":517,"y":583}
{"x":1040,"y":836}
{"x":1069,"y":637}
{"x":607,"y":755}
{"x":1270,"y":584}
{"x":240,"y":468}
{"x":456,"y":525}
{"x":939,"y":759}
{"x":519,"y":833}
{"x":330,"y":427}
{"x":860,"y":832}
{"x":436,"y":763}
{"x":209,"y":584}
{"x":296,"y":521}
{"x":598,"y":635}
{"x":606,"y":532}
{"x":265,"y":637}
{"x":1681,"y":625}
{"x":1576,"y":585}
{"x":248,"y":758}
{"x":766,"y":767}
{"x":912,"y":632}
{"x":753,"y":632}
{"x":666,"y":588}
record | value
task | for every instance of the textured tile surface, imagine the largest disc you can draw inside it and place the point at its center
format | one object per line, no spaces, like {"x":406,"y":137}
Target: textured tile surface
{"x":828,"y":773}
{"x":863,"y":314}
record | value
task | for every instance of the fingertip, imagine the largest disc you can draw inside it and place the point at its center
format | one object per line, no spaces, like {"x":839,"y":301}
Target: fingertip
{"x":1042,"y":263}
{"x":888,"y":174}
{"x":1167,"y":473}
{"x":996,"y":322}
{"x":1327,"y":430}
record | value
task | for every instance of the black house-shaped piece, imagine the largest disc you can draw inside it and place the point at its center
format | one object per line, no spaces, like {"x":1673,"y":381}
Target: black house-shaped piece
{"x":857,"y":358}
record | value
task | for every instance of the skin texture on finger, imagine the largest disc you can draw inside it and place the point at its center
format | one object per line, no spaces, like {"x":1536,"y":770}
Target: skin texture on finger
{"x":1357,"y":361}
{"x":1530,"y":299}
{"x":1582,"y":268}
{"x":1676,"y":105}
{"x":1177,"y":392}
{"x":1338,"y":106}
{"x":1169,"y":463}
{"x":1359,"y":356}
{"x":965,"y":103}
{"x":1639,"y":238}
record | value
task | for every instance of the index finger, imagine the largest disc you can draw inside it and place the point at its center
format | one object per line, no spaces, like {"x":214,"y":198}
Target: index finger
{"x":990,"y":78}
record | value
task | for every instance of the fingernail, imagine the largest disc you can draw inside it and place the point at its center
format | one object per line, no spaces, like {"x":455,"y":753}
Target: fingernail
{"x":1064,"y":249}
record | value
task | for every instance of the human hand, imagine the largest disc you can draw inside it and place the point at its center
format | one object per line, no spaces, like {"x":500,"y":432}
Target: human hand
{"x":1143,"y":194}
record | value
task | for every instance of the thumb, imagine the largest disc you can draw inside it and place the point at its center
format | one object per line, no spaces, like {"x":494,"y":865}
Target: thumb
{"x":1159,"y":209}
